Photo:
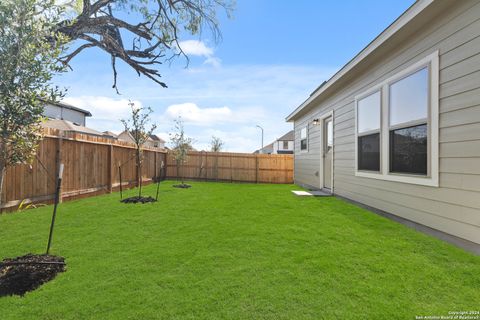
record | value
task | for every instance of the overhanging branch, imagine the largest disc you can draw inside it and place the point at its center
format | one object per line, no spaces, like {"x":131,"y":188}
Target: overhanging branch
{"x":162,"y":20}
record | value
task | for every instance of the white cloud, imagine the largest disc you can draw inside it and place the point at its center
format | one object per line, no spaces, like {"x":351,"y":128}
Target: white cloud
{"x":103,"y":107}
{"x":213,"y":61}
{"x":227,"y":101}
{"x":106,"y":112}
{"x":190,"y":112}
{"x":195,"y":48}
{"x":242,"y":139}
{"x":199,"y":48}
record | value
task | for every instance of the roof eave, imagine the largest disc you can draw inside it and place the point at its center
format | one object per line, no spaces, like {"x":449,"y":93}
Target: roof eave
{"x":68,"y":106}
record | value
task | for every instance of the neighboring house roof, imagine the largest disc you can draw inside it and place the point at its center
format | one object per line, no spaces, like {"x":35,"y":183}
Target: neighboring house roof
{"x":130,"y":135}
{"x":66,"y":125}
{"x":419,"y":13}
{"x":70,"y":107}
{"x":156,"y":138}
{"x":289,"y":136}
{"x":266,"y":149}
{"x":110,"y":134}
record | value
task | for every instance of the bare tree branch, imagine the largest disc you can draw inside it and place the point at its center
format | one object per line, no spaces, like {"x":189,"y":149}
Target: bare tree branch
{"x":66,"y":59}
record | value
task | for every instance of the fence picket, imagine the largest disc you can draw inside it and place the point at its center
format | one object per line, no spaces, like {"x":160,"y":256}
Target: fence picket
{"x":91,"y":168}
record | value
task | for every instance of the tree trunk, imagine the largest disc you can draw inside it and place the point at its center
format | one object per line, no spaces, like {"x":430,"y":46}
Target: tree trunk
{"x":140,"y":182}
{"x":178,"y":169}
{"x":139,"y":173}
{"x":183,"y":173}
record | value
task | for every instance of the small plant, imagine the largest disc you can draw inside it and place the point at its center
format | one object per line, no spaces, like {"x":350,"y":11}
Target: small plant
{"x":25,"y":206}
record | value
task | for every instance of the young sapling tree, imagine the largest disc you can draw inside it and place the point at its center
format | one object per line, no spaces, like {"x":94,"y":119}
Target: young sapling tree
{"x":140,"y":128}
{"x":181,"y":144}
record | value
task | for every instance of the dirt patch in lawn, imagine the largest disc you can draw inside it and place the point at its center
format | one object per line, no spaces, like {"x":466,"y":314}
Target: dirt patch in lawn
{"x":138,"y":200}
{"x":182,"y":186}
{"x":26,"y":273}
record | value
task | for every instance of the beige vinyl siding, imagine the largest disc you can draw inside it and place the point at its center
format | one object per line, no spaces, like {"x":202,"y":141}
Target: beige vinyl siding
{"x":453,"y":207}
{"x":307,"y":167}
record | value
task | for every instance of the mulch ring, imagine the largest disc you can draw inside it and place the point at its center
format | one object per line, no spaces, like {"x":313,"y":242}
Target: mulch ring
{"x":182,"y":186}
{"x":26,"y":273}
{"x":138,"y":199}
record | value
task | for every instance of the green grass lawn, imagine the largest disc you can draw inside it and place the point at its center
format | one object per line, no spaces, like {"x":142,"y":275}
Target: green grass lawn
{"x":235,"y":251}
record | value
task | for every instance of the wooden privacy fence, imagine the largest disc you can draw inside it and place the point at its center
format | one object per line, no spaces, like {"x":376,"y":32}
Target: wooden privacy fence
{"x":234,"y":167}
{"x":91,"y":167}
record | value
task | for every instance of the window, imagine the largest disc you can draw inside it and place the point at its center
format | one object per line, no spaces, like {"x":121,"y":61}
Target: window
{"x":303,"y":139}
{"x":368,"y":132}
{"x":330,"y":134}
{"x":285,"y":145}
{"x":397,"y":126}
{"x":408,"y":124}
{"x":408,"y":150}
{"x":409,"y":98}
{"x":369,"y":113}
{"x":369,"y":152}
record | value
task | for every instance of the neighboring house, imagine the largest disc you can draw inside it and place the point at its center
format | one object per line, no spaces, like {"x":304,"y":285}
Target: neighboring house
{"x":69,"y":126}
{"x":110,"y":134}
{"x":398,"y":127}
{"x":64,"y":111}
{"x":268,"y":149}
{"x":157,"y":142}
{"x":153,"y":141}
{"x":284,"y":144}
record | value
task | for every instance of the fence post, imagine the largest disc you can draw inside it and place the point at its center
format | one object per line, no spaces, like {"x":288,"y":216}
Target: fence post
{"x":206,"y":166}
{"x":231,"y":171}
{"x":216,"y":167}
{"x":59,"y":162}
{"x":155,"y":164}
{"x":163,"y":173}
{"x":120,"y":179}
{"x":256,"y":168}
{"x":110,"y":168}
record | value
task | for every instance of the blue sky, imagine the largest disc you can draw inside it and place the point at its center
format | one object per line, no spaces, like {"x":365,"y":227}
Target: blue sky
{"x":273,"y":54}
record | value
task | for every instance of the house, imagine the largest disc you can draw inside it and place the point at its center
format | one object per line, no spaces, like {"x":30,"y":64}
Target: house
{"x":110,"y":134}
{"x":69,"y":126}
{"x":153,"y":141}
{"x":284,"y":144}
{"x":398,"y":127}
{"x":64,"y":111}
{"x":156,"y":141}
{"x":65,"y":117}
{"x":268,"y":149}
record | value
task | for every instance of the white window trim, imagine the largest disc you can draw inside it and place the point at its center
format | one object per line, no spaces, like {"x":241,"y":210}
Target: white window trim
{"x":432,"y":61}
{"x":306,"y":138}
